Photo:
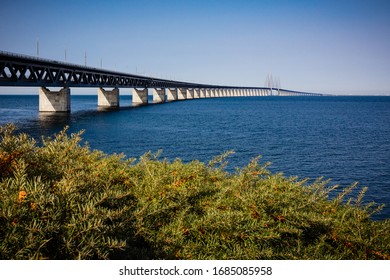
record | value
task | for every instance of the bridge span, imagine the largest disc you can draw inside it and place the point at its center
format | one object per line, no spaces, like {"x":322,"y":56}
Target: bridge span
{"x":26,"y":71}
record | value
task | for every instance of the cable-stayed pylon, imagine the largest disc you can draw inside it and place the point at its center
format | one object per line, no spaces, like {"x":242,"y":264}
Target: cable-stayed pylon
{"x":272,"y":83}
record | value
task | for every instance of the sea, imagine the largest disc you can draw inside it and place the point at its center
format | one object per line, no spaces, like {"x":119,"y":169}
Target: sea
{"x":342,"y":138}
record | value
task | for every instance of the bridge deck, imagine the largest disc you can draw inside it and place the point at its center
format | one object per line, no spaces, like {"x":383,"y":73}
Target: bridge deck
{"x":18,"y":70}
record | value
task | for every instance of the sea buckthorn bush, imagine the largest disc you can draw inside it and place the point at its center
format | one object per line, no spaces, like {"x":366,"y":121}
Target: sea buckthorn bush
{"x":61,"y":200}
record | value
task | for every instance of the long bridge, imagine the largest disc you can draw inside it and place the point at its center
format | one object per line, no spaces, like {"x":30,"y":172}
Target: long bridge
{"x":26,"y":71}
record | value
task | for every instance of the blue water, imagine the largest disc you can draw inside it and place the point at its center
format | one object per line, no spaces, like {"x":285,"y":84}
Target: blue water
{"x":346,"y":139}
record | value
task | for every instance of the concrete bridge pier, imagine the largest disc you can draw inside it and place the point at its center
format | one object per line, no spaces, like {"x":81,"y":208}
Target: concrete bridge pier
{"x":190,"y":93}
{"x":202,"y":93}
{"x":54,"y":101}
{"x":140,"y":96}
{"x":172,"y":94}
{"x":181,"y":94}
{"x":108,"y":98}
{"x":208,"y":93}
{"x":158,"y":95}
{"x":196,"y":93}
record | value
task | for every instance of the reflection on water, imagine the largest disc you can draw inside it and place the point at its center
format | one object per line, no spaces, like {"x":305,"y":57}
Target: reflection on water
{"x":107,"y":109}
{"x":47,"y":120}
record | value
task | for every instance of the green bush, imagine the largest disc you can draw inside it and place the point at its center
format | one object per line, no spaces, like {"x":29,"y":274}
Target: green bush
{"x":61,"y":200}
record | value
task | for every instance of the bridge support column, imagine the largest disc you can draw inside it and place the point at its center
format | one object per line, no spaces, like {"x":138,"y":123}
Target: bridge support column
{"x":108,"y":98}
{"x":196,"y":93}
{"x":181,"y":93}
{"x":158,"y":95}
{"x":140,"y":96}
{"x":190,"y":93}
{"x":172,"y":94}
{"x":54,"y":101}
{"x":207,"y":95}
{"x":202,"y":93}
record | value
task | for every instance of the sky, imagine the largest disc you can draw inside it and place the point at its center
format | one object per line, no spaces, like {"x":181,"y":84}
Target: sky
{"x":335,"y":47}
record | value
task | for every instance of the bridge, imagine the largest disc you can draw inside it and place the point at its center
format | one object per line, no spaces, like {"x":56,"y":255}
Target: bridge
{"x":26,"y":71}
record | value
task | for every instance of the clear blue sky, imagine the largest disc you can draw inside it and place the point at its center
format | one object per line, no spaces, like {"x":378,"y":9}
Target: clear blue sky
{"x":324,"y":46}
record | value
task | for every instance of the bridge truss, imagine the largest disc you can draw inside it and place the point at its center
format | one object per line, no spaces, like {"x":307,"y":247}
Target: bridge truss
{"x":18,"y":70}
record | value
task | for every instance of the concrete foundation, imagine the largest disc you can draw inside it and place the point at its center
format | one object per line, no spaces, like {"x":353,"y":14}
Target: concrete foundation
{"x":108,"y":98}
{"x":54,"y":101}
{"x":140,"y":96}
{"x":172,"y":94}
{"x":181,"y":93}
{"x":158,"y":95}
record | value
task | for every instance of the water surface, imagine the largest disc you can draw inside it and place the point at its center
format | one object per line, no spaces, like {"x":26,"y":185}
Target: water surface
{"x":342,"y":138}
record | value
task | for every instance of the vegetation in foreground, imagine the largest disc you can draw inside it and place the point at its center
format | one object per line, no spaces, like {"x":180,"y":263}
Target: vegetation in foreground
{"x":60,"y":200}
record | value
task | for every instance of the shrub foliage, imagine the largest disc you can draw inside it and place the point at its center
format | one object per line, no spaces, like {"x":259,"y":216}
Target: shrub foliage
{"x":61,"y":200}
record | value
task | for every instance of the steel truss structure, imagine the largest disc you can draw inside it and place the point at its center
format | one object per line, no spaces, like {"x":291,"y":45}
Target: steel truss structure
{"x":28,"y":71}
{"x":18,"y":70}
